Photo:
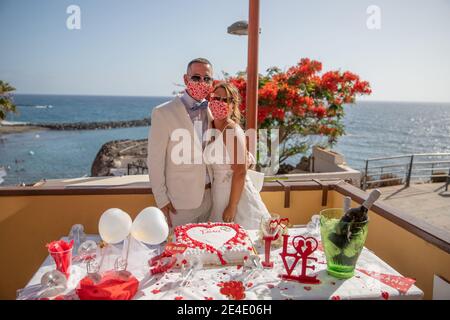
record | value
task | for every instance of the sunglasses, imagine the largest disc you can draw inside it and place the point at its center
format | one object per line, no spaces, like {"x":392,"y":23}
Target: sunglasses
{"x":206,"y":79}
{"x":222,"y":99}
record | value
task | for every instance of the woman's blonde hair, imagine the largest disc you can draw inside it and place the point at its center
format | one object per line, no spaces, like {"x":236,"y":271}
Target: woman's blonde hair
{"x":233,"y":97}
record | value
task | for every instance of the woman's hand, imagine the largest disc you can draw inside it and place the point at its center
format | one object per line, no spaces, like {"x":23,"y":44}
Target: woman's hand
{"x":229,"y":214}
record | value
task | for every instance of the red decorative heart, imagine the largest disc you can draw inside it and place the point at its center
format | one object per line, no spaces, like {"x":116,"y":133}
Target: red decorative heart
{"x":304,"y":245}
{"x":278,"y":223}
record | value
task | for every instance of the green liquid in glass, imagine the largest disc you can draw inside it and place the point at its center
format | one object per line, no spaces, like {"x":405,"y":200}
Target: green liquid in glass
{"x":341,"y":249}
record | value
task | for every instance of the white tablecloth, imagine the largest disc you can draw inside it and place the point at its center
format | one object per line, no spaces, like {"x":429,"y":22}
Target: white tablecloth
{"x":264,"y":285}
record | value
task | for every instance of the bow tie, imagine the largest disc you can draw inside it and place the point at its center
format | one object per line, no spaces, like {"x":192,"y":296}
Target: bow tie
{"x":200,"y":105}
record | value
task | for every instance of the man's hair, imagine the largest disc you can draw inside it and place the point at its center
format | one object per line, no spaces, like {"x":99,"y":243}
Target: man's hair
{"x":197,"y":60}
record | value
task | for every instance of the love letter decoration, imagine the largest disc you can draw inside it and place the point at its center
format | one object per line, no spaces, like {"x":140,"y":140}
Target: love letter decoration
{"x":304,"y":247}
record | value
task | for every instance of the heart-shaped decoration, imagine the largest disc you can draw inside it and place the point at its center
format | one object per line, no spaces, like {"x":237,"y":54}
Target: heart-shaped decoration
{"x":278,"y":223}
{"x":273,"y":224}
{"x":304,"y":245}
{"x":215,"y":236}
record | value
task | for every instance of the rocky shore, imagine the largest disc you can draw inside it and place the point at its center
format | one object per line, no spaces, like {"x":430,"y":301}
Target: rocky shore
{"x":121,"y":157}
{"x":95,"y":125}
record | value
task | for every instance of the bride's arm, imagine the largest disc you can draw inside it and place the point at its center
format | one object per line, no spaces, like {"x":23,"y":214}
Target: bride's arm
{"x":239,"y":167}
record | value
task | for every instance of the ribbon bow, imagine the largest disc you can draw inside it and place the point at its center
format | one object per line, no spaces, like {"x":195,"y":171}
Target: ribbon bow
{"x":200,"y":105}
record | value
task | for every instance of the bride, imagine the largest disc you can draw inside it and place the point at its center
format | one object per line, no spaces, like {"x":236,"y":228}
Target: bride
{"x":234,"y":197}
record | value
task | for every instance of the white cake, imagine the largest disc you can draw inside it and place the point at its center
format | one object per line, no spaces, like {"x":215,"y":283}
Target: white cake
{"x":214,"y":243}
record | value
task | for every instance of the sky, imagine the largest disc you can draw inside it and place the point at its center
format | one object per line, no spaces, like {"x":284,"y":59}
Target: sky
{"x":141,"y":47}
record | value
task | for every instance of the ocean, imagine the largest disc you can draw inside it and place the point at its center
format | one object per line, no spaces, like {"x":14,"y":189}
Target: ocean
{"x":374,"y":129}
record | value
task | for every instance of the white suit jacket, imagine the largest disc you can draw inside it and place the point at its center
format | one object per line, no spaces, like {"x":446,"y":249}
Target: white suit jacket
{"x":183,"y":184}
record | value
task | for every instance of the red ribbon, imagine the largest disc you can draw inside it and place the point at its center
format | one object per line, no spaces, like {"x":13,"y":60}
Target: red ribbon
{"x":162,"y":263}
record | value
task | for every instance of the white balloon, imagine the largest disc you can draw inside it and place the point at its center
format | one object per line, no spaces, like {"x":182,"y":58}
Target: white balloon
{"x":114,"y":225}
{"x":150,"y":226}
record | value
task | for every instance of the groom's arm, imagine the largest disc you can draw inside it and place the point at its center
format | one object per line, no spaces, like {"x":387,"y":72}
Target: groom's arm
{"x":156,"y":160}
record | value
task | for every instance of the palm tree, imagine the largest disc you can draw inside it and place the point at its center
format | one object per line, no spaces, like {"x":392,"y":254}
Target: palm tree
{"x":6,"y":102}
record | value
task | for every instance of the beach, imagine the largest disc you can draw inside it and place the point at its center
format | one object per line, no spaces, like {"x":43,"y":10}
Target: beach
{"x":9,"y":128}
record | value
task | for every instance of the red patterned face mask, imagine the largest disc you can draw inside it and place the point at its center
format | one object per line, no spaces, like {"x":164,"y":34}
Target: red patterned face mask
{"x":219,"y":109}
{"x":198,"y":90}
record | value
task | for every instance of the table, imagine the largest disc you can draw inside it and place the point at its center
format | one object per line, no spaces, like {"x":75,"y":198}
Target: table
{"x":204,"y":285}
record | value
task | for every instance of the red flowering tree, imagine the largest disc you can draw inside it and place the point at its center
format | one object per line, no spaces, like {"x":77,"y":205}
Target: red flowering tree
{"x":303,"y":101}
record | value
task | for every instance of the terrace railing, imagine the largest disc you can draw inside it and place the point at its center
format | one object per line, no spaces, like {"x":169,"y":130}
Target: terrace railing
{"x":404,"y":169}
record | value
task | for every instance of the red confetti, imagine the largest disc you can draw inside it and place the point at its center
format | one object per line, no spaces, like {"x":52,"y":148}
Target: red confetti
{"x":179,"y":298}
{"x":335,"y":298}
{"x":307,"y":288}
{"x":156,"y":291}
{"x":209,"y":298}
{"x":233,"y":289}
{"x":385,"y":295}
{"x":238,"y":266}
{"x":250,"y":284}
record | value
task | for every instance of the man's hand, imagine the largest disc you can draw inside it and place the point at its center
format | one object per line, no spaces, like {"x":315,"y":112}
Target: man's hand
{"x":229,"y":214}
{"x":166,"y":210}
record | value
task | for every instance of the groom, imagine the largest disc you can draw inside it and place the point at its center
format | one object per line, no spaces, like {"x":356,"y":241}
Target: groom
{"x":182,"y":191}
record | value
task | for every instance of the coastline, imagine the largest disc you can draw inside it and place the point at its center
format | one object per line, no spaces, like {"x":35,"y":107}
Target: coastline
{"x":10,"y":129}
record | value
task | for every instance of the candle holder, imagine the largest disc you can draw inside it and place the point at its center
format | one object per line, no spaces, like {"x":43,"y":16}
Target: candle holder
{"x":61,"y":252}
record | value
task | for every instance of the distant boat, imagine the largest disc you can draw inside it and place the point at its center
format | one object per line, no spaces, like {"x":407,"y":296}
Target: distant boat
{"x":38,"y":106}
{"x":44,"y":107}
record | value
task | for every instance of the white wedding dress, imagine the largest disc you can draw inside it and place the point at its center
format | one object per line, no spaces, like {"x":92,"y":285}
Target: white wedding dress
{"x":250,"y":208}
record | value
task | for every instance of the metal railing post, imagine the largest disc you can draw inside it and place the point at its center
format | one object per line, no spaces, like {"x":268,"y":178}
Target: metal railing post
{"x":365,"y":176}
{"x":432,"y":172}
{"x":408,"y":177}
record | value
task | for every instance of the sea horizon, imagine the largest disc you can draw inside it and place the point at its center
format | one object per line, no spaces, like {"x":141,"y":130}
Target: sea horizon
{"x":361,"y":99}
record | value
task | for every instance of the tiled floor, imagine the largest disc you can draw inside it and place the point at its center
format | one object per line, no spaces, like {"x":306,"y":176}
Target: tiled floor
{"x":428,"y":201}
